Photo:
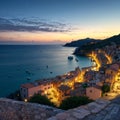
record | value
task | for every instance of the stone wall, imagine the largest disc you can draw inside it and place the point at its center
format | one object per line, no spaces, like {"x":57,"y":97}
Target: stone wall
{"x":83,"y":112}
{"x":16,"y":110}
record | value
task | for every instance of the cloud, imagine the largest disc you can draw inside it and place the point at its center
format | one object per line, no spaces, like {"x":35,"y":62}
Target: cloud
{"x":31,"y":25}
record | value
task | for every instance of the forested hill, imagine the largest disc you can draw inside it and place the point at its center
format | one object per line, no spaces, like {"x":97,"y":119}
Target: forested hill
{"x":81,"y":42}
{"x":84,"y":49}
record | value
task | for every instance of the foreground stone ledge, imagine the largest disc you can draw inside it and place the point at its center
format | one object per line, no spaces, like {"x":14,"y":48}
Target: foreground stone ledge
{"x":81,"y":112}
{"x":102,"y":101}
{"x":17,"y":110}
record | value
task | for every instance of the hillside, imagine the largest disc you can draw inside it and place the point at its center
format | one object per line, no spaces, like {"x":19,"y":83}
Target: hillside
{"x":81,"y":42}
{"x":83,"y":50}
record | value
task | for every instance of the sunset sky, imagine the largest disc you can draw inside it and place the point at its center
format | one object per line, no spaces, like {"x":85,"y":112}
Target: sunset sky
{"x":57,"y":21}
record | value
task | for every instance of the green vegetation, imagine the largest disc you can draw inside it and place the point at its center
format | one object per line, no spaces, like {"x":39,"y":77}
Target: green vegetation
{"x":37,"y":98}
{"x":105,"y":88}
{"x":73,"y":102}
{"x":15,"y":95}
{"x":84,"y":85}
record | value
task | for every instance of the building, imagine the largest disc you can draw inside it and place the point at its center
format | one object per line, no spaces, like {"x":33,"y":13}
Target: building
{"x":43,"y":86}
{"x":29,"y":89}
{"x":64,"y":91}
{"x":80,"y":91}
{"x":93,"y":92}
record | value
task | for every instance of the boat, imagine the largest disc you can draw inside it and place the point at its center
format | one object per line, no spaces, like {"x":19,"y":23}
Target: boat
{"x":76,"y":60}
{"x":28,"y":72}
{"x":28,"y":78}
{"x":70,"y":57}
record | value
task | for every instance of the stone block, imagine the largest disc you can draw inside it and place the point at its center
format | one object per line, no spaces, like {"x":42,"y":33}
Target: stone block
{"x":94,"y":107}
{"x":80,"y":113}
{"x":62,"y":116}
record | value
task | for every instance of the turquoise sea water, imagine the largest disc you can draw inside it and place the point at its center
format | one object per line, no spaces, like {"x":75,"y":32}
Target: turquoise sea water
{"x":18,"y":63}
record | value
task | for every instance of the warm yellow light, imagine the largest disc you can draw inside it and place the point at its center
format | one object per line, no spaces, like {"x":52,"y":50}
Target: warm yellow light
{"x":94,"y":68}
{"x":76,"y":79}
{"x":25,"y":100}
{"x":68,"y":73}
{"x":45,"y":92}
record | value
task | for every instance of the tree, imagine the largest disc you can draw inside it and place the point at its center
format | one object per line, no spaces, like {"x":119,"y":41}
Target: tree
{"x":84,"y":85}
{"x":105,"y":88}
{"x":15,"y":95}
{"x":37,"y":98}
{"x":73,"y":102}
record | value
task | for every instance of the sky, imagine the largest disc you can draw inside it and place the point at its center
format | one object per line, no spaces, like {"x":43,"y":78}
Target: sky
{"x":57,"y":21}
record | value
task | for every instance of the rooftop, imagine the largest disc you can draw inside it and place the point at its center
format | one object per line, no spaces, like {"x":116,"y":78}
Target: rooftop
{"x":64,"y":88}
{"x":28,"y":85}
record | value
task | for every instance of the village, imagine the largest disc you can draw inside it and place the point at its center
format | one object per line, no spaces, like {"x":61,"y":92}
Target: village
{"x":86,"y":81}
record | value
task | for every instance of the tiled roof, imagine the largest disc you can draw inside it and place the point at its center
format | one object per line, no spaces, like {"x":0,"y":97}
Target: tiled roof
{"x":27,"y":85}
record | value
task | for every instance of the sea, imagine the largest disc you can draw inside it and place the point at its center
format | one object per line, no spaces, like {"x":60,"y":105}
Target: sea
{"x":21,"y":64}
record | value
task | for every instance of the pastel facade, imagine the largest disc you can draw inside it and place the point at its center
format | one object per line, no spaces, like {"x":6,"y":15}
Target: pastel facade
{"x":93,"y":92}
{"x":29,"y":89}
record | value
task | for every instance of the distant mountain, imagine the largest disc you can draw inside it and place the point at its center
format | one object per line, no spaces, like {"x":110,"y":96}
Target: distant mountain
{"x":81,"y":42}
{"x":115,"y":38}
{"x":83,"y":50}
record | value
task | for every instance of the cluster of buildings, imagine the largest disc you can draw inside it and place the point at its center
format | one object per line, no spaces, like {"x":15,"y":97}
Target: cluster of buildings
{"x":81,"y":82}
{"x":56,"y":89}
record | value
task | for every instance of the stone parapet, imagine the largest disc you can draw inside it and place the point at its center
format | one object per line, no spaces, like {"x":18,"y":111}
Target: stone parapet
{"x":100,"y":109}
{"x":80,"y":113}
{"x":17,"y":110}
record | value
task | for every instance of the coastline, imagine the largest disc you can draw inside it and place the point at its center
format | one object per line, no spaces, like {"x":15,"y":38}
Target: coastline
{"x":35,"y":59}
{"x":64,"y":84}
